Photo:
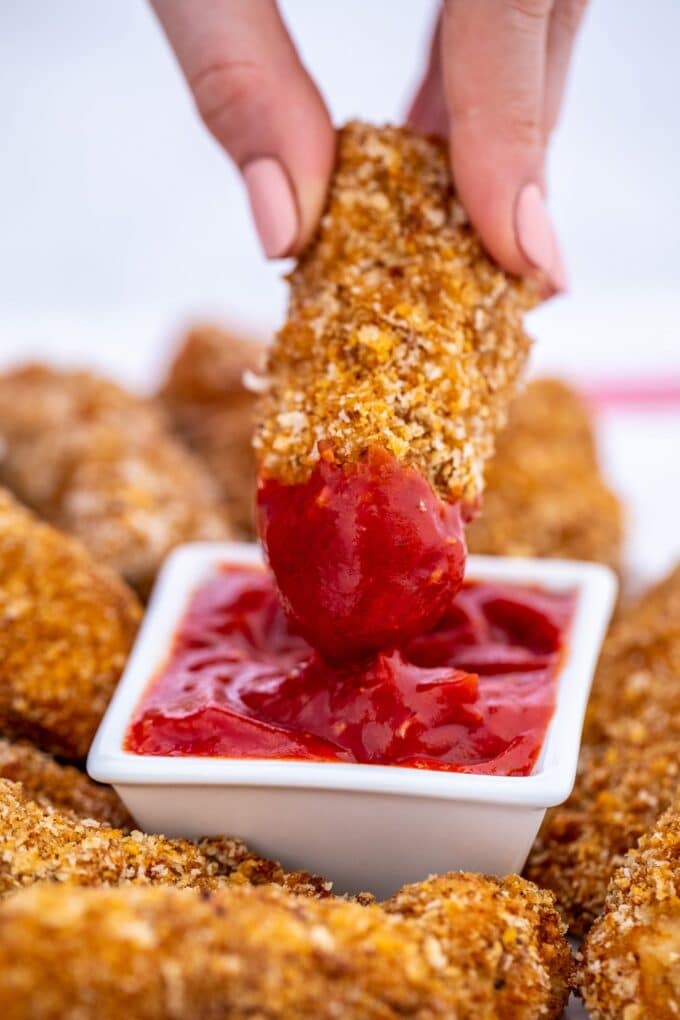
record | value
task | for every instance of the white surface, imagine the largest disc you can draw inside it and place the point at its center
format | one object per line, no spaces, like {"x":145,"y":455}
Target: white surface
{"x":347,"y":821}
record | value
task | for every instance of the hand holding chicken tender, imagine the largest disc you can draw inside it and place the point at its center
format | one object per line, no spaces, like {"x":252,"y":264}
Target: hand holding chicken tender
{"x":387,"y":385}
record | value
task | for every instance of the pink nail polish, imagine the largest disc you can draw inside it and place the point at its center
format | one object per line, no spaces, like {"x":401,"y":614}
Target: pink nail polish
{"x":536,"y":237}
{"x":273,"y":205}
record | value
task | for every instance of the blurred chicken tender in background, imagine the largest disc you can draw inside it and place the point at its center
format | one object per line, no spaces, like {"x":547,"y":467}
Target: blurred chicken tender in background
{"x":629,"y":767}
{"x":101,"y":463}
{"x":213,"y":412}
{"x":66,"y":627}
{"x":545,"y":495}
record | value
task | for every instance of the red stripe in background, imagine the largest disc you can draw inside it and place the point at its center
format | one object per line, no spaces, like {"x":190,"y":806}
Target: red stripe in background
{"x":644,"y":394}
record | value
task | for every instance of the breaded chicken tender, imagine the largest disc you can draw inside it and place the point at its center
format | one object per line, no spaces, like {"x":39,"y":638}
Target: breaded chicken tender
{"x":620,"y":791}
{"x":504,"y":940}
{"x":631,"y":958}
{"x":66,"y":627}
{"x":213,"y":412}
{"x":636,"y":694}
{"x":61,"y":786}
{"x":401,"y":331}
{"x":630,"y":761}
{"x":100,"y":463}
{"x":168,"y":954}
{"x":386,"y":386}
{"x":544,"y":493}
{"x":42,"y":844}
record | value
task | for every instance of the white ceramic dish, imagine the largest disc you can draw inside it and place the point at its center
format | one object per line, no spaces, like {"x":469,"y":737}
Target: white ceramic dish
{"x":363,"y":826}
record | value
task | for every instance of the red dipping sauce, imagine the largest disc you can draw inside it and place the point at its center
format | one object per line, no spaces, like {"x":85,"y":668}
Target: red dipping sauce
{"x":474,"y":694}
{"x":365,"y":554}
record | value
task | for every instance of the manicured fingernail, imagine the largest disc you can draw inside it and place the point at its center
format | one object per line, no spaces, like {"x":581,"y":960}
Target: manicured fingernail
{"x":273,"y":205}
{"x":536,"y":237}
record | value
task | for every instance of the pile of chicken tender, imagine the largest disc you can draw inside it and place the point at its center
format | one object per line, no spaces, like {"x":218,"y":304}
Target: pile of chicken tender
{"x":99,"y":920}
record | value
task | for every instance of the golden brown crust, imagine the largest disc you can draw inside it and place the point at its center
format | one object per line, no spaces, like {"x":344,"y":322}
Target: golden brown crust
{"x":213,"y":412}
{"x":631,"y":958}
{"x":544,"y":493}
{"x":401,"y":331}
{"x":101,"y":464}
{"x":636,"y":694}
{"x":66,"y":626}
{"x":61,"y":786}
{"x":166,"y":954}
{"x":630,"y":760}
{"x":499,"y":933}
{"x":39,"y":843}
{"x":619,"y":794}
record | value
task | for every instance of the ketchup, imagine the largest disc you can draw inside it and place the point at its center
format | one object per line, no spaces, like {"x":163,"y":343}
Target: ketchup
{"x":473,"y":694}
{"x":365,"y":555}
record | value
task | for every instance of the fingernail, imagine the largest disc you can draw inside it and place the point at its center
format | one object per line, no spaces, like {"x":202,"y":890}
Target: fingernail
{"x":536,"y":237}
{"x":273,"y":205}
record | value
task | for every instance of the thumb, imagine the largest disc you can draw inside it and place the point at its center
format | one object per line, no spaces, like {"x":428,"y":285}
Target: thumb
{"x":494,"y":63}
{"x":259,"y":102}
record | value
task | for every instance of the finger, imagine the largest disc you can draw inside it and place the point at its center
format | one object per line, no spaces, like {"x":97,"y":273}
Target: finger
{"x":494,"y":56}
{"x":427,"y":112}
{"x":565,"y":20}
{"x":257,"y":99}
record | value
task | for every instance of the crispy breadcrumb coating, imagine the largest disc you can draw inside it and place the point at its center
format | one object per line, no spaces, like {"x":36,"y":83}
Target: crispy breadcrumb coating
{"x":544,"y":493}
{"x":630,"y":760}
{"x":401,"y":331}
{"x":168,"y":954}
{"x":213,"y":412}
{"x":502,"y":936}
{"x":631,"y":958}
{"x":66,"y":627}
{"x":61,"y":786}
{"x":619,"y":794}
{"x":636,"y":694}
{"x":100,"y":463}
{"x":39,"y":843}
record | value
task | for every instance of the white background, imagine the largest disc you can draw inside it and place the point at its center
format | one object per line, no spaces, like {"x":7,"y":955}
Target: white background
{"x":120,"y":219}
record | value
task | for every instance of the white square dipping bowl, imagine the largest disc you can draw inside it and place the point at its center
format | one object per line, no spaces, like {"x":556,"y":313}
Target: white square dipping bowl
{"x":366,"y":827}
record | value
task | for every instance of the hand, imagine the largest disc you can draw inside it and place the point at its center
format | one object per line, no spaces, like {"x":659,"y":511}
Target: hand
{"x":258,"y":101}
{"x":493,"y":85}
